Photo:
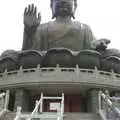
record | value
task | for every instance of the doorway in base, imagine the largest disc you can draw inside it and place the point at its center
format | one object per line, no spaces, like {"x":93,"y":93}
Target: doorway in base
{"x":72,"y":103}
{"x":75,"y":103}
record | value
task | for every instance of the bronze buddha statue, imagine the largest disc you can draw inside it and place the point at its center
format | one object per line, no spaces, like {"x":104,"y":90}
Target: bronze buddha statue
{"x":62,"y":32}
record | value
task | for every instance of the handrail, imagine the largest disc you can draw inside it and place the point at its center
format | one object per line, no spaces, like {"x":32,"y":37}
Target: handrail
{"x":102,"y":115}
{"x":5,"y":98}
{"x":38,"y":103}
{"x":59,"y":115}
{"x":18,"y":114}
{"x":107,"y":100}
{"x":36,"y":107}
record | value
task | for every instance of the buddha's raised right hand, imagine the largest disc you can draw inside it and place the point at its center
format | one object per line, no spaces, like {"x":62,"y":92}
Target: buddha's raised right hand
{"x":32,"y":19}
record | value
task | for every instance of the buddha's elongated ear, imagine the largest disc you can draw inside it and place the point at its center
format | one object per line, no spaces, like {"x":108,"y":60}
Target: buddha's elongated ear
{"x":75,"y":7}
{"x":53,"y":11}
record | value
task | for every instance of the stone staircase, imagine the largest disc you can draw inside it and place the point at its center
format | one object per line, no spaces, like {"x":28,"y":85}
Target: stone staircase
{"x":67,"y":116}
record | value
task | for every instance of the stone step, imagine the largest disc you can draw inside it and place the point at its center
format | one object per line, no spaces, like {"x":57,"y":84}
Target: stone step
{"x":8,"y":116}
{"x":67,"y":116}
{"x":81,"y":116}
{"x":11,"y":116}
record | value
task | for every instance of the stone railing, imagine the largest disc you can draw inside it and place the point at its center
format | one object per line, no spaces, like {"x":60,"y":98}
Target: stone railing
{"x":95,"y":71}
{"x":107,"y":109}
{"x":88,"y":76}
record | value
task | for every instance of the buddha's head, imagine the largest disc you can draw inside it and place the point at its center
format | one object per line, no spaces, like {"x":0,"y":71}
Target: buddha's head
{"x":63,"y":8}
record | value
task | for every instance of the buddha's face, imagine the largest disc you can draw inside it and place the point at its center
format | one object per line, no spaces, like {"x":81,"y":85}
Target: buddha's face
{"x":63,"y":7}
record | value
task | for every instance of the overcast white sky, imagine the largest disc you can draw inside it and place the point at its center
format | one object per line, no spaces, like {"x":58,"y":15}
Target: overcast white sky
{"x":103,"y":16}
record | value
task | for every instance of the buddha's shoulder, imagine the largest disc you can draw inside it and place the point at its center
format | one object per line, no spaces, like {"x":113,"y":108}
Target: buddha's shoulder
{"x":82,"y":25}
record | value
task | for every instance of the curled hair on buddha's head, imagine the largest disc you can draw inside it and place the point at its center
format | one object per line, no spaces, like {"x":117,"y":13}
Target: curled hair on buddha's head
{"x":73,"y":14}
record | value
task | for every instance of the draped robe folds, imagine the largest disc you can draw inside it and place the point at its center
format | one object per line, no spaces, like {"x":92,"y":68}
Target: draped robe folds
{"x":71,"y":35}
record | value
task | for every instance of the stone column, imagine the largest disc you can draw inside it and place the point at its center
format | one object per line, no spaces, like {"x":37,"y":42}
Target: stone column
{"x":22,"y":99}
{"x":92,"y":100}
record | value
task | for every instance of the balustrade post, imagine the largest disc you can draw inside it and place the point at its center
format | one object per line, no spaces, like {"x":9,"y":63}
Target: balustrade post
{"x":58,"y":69}
{"x":96,"y":73}
{"x":38,"y":69}
{"x":20,"y":71}
{"x":77,"y":71}
{"x":113,"y":75}
{"x":5,"y":74}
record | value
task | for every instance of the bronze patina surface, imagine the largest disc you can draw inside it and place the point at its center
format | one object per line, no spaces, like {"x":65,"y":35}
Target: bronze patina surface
{"x":62,"y":32}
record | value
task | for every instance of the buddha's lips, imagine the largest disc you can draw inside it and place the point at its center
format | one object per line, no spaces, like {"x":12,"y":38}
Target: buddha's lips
{"x":64,"y":8}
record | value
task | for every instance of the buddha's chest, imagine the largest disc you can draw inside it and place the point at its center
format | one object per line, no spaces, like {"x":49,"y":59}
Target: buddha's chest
{"x":60,"y":30}
{"x":66,"y":35}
